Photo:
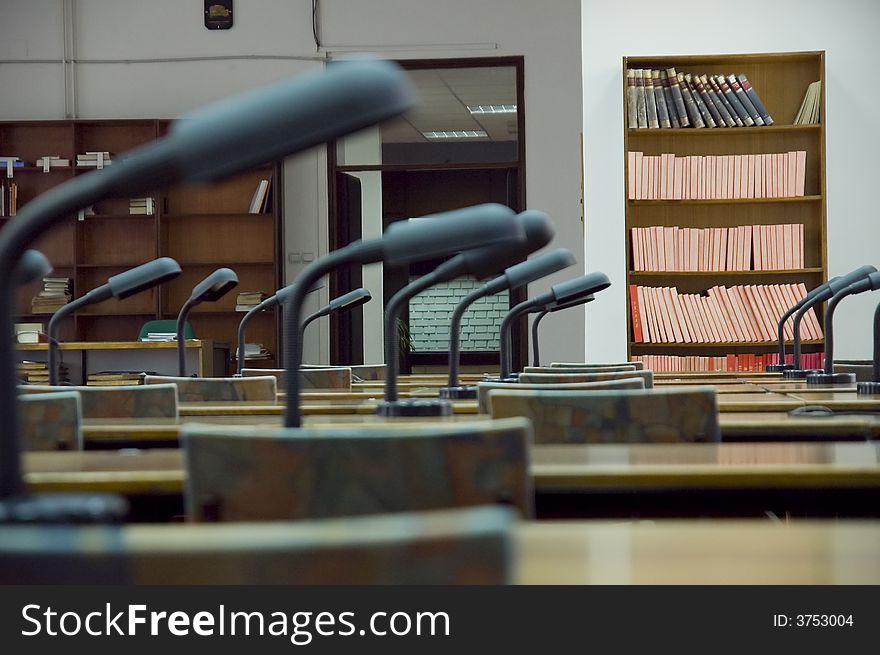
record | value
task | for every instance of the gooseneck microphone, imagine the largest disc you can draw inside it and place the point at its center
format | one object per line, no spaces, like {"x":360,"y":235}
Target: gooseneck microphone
{"x":549,"y":309}
{"x":212,"y":288}
{"x":579,"y":287}
{"x":780,"y":328}
{"x":215,"y":142}
{"x":403,"y":242}
{"x":514,"y":277}
{"x":344,"y":302}
{"x":32,"y":266}
{"x":828,"y":376}
{"x":826,"y":292}
{"x":123,"y":285}
{"x":873,"y":387}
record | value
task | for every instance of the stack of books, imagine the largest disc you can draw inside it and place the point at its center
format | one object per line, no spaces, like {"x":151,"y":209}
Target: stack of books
{"x":740,"y":362}
{"x":746,"y":313}
{"x":52,"y":161}
{"x":160,"y":336}
{"x":253,"y":351}
{"x":141,"y":206}
{"x":94,"y":159}
{"x":247,"y":300}
{"x":808,"y":114}
{"x":769,"y":247}
{"x":716,"y":177}
{"x":55,"y":294}
{"x":115,"y":378}
{"x":666,"y":98}
{"x":38,"y":372}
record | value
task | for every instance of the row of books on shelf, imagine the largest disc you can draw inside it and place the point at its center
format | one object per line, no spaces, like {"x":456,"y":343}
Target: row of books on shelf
{"x":247,"y":300}
{"x":666,"y":98}
{"x":810,"y":108}
{"x":745,"y":313}
{"x":116,"y":378}
{"x":716,"y":177}
{"x":88,"y":159}
{"x":38,"y":372}
{"x":8,"y":197}
{"x":142,"y":206}
{"x":56,"y":292}
{"x":729,"y":363}
{"x":764,"y":247}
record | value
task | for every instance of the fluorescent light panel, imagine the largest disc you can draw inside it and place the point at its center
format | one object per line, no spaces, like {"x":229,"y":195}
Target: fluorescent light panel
{"x":455,"y":134}
{"x":492,"y":109}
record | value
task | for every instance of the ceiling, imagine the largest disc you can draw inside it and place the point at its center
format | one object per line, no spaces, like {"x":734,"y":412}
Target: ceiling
{"x":444,"y":96}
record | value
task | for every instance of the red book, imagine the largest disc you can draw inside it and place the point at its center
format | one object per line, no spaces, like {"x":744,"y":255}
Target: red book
{"x":636,"y":314}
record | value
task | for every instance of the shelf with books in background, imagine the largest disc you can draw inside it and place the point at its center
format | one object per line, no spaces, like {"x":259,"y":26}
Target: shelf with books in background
{"x":758,"y":190}
{"x":204,"y":226}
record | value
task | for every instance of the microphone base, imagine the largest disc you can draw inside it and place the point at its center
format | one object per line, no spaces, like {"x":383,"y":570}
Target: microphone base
{"x":458,"y":393}
{"x":800,"y":373}
{"x":868,"y":388}
{"x":778,"y":368}
{"x":831,"y":378}
{"x":415,"y":407}
{"x":60,"y":509}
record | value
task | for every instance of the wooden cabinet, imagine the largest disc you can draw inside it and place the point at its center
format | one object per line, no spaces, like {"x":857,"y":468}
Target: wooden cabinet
{"x":781,"y":80}
{"x":201,"y":226}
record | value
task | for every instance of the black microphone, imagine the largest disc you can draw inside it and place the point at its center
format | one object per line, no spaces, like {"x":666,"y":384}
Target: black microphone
{"x":872,"y":387}
{"x":344,"y":302}
{"x":123,"y":285}
{"x":478,"y":262}
{"x":212,"y":288}
{"x":32,"y":266}
{"x":403,"y":242}
{"x":826,"y":293}
{"x":780,"y":328}
{"x":514,"y":277}
{"x":828,"y":376}
{"x":564,"y":292}
{"x":220,"y":140}
{"x":549,"y":309}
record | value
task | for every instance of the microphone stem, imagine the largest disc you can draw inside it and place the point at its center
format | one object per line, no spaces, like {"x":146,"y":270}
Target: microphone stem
{"x":536,"y":356}
{"x":392,"y":345}
{"x":266,"y":304}
{"x":52,"y":335}
{"x":829,"y":331}
{"x":796,"y":327}
{"x":780,"y":333}
{"x":877,"y":344}
{"x":181,"y":342}
{"x":455,"y":332}
{"x":504,"y":347}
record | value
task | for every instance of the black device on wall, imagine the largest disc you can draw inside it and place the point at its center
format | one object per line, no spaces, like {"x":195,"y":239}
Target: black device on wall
{"x":218,"y":14}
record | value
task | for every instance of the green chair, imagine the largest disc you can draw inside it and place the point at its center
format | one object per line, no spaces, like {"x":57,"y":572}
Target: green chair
{"x":165,"y":325}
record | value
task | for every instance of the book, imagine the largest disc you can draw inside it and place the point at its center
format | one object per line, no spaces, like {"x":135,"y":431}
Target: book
{"x":743,"y":97}
{"x":650,"y":100}
{"x":678,"y":97}
{"x":52,"y":161}
{"x":660,"y":98}
{"x":752,"y":95}
{"x":631,"y":99}
{"x":690,"y":103}
{"x":734,"y":101}
{"x":258,"y":200}
{"x":808,"y":114}
{"x":720,"y":106}
{"x":670,"y":101}
{"x":641,"y":111}
{"x":710,"y":115}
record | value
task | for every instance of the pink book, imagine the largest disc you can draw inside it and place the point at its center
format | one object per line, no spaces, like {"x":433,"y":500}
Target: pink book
{"x":693,"y":324}
{"x":810,"y":328}
{"x":780,"y":246}
{"x":657,"y":319}
{"x":678,"y":170}
{"x":725,"y":315}
{"x":666,"y":311}
{"x":704,"y":178}
{"x":741,"y":313}
{"x":800,"y":245}
{"x":782,"y":306}
{"x":797,"y":292}
{"x":710,"y":306}
{"x":663,"y":176}
{"x":781,"y":174}
{"x":669,"y":245}
{"x":644,"y":181}
{"x":695,"y":177}
{"x":646,"y":310}
{"x":792,"y":173}
{"x":789,"y":238}
{"x":777,"y":175}
{"x":756,"y":246}
{"x":712,"y":247}
{"x":649,"y":192}
{"x":636,"y":250}
{"x":801,"y":172}
{"x":670,"y":176}
{"x":721,"y":250}
{"x":767,"y":312}
{"x":695,"y":248}
{"x":731,"y":174}
{"x":759,"y":175}
{"x":792,"y":294}
{"x":737,"y":177}
{"x":631,"y":176}
{"x":659,"y":251}
{"x":699,"y":306}
{"x":643,"y":319}
{"x":657,"y":179}
{"x":750,"y":176}
{"x":730,"y":237}
{"x":771,"y":247}
{"x":680,"y":315}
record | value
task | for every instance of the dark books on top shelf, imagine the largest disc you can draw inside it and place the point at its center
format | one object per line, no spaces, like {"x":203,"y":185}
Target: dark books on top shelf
{"x":674,"y":99}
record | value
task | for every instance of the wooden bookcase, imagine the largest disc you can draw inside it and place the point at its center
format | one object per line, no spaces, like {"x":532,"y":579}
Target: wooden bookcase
{"x":780,"y":79}
{"x":201,"y":226}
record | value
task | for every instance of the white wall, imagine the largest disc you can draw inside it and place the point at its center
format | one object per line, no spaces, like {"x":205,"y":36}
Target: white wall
{"x":272,"y":39}
{"x":845,"y":29}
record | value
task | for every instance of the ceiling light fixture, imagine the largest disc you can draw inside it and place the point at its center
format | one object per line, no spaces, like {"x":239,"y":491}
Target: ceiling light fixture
{"x":492,"y":109}
{"x":455,"y":134}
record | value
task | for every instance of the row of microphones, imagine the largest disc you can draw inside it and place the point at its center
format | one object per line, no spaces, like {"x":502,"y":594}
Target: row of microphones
{"x":221,"y":140}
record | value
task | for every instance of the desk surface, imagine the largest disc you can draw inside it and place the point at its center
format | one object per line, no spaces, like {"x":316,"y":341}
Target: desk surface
{"x":122,"y":345}
{"x":698,"y":552}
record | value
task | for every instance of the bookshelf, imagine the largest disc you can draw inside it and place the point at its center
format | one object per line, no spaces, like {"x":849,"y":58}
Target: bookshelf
{"x":201,"y":226}
{"x":781,"y":80}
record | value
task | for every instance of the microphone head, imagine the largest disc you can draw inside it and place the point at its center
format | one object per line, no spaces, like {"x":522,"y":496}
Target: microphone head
{"x":436,"y":235}
{"x":580,"y":286}
{"x":32,"y":266}
{"x":350,"y":300}
{"x":583,"y":300}
{"x":215,"y":286}
{"x":537,"y":231}
{"x":538,"y":267}
{"x":143,"y":277}
{"x":845,"y":280}
{"x":273,"y":122}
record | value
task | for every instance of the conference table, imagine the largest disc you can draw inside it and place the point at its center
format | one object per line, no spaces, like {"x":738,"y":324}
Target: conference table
{"x":736,"y":479}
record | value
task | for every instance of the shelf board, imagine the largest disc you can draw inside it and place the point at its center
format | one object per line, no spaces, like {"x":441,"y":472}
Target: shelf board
{"x":722,"y":344}
{"x":35,"y":169}
{"x":716,"y":131}
{"x":114,"y":217}
{"x":724,"y":201}
{"x":116,"y":265}
{"x":241,"y":215}
{"x":796,"y":271}
{"x":87,"y":314}
{"x":228,"y":263}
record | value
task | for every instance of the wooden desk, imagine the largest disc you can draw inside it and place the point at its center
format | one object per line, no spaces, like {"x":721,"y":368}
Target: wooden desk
{"x":578,"y":481}
{"x":760,"y":401}
{"x":839,"y":401}
{"x":362,"y":406}
{"x":207,"y":358}
{"x":781,"y":426}
{"x":698,"y":552}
